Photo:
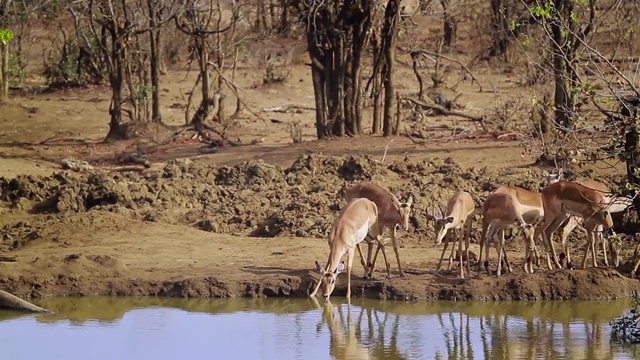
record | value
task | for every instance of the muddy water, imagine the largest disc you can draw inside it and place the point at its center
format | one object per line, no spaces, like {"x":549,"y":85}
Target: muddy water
{"x":154,"y":328}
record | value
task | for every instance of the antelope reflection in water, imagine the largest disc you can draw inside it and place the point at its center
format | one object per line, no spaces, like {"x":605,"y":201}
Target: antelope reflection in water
{"x":506,"y":336}
{"x":352,"y":341}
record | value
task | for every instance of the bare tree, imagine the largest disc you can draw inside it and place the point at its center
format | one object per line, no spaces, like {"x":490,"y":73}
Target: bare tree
{"x":389,"y":35}
{"x":594,"y":74}
{"x":337,"y":33}
{"x":117,"y":28}
{"x":201,"y":21}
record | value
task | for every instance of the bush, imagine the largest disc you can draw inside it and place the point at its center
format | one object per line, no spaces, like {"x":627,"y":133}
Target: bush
{"x":626,"y":329}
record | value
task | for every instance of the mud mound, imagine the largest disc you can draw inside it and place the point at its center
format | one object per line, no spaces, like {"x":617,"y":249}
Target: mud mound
{"x":252,"y":172}
{"x":251,"y":197}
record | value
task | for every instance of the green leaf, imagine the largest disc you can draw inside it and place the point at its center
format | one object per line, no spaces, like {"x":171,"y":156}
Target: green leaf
{"x":573,"y":17}
{"x":6,"y":35}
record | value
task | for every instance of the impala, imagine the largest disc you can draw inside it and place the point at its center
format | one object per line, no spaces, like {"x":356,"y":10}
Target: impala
{"x":563,"y":199}
{"x":457,"y":217}
{"x":391,"y":212}
{"x":528,"y":207}
{"x":355,"y":221}
{"x":616,"y":205}
{"x":502,"y":210}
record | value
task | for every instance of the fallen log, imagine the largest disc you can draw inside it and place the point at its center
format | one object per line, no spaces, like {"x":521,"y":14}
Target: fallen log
{"x":443,"y":111}
{"x":13,"y":302}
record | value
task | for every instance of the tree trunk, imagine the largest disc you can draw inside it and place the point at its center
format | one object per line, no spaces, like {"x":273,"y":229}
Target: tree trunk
{"x":203,"y":62}
{"x":116,"y":129}
{"x":562,"y":101}
{"x":336,"y":89}
{"x":154,"y":43}
{"x":389,"y":31}
{"x":377,"y":87}
{"x":4,"y":71}
{"x":336,"y":36}
{"x":629,"y":108}
{"x":284,"y":21}
{"x":450,"y":25}
{"x":500,"y":28}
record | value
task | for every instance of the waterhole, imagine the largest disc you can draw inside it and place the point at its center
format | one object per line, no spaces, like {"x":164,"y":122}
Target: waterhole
{"x":158,"y":328}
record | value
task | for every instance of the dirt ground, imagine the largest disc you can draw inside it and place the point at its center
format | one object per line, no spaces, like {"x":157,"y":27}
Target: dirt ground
{"x":250,"y":220}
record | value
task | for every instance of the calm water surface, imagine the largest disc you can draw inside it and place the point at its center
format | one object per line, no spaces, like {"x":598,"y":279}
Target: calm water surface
{"x":156,"y":328}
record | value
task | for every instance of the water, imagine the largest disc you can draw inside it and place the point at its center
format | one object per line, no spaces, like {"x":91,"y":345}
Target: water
{"x":158,"y":328}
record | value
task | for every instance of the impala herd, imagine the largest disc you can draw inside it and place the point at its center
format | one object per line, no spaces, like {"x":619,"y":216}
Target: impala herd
{"x":370,"y":208}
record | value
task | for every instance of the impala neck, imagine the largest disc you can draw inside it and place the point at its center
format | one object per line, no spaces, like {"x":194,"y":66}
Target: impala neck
{"x":335,"y":257}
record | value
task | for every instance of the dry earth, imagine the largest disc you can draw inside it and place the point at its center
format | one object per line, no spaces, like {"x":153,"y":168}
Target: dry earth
{"x":250,"y":220}
{"x":187,"y":228}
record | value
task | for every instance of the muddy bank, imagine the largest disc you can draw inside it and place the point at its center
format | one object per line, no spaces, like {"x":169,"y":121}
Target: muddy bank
{"x":252,"y":197}
{"x":590,"y":284}
{"x":188,"y":229}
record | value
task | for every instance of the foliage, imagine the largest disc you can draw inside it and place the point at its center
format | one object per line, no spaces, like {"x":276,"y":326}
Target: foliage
{"x":17,"y":69}
{"x":626,"y":329}
{"x":60,"y":67}
{"x":6,"y":35}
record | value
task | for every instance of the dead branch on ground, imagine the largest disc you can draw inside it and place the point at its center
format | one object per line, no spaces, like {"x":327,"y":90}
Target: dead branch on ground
{"x":463,"y":66}
{"x":443,"y":111}
{"x":287,"y":108}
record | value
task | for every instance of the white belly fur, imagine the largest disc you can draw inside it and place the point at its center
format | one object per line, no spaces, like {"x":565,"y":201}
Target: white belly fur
{"x":530,"y":214}
{"x":362,"y":232}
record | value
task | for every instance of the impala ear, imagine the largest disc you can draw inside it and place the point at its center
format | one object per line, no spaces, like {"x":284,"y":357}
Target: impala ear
{"x":410,"y":200}
{"x":319,"y":268}
{"x":340,"y":268}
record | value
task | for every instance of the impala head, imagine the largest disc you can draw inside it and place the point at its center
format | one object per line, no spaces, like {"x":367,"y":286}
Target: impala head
{"x":551,"y":178}
{"x":614,"y":241}
{"x":329,"y":279}
{"x":441,"y":224}
{"x":602,"y":216}
{"x":405,"y":211}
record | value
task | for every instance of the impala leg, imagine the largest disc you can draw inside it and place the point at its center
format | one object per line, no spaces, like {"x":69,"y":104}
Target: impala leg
{"x":546,"y":229}
{"x":379,"y":246}
{"x":500,"y":247}
{"x":466,"y":244}
{"x":506,"y":258}
{"x":594,"y":248}
{"x":444,"y":249}
{"x":603,"y":240}
{"x":635,"y":267}
{"x":384,"y":255}
{"x":541,"y":231}
{"x":350,"y":256}
{"x":482,"y":241}
{"x":549,"y":231}
{"x":566,"y":230}
{"x":587,"y":249}
{"x":490,"y":233}
{"x":460,"y":253}
{"x":453,"y":247}
{"x":364,"y":265}
{"x":370,"y":258}
{"x":531,"y":251}
{"x":315,"y":289}
{"x":395,"y":249}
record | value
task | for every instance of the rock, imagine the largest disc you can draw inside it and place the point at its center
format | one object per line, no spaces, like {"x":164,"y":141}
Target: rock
{"x":71,"y":163}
